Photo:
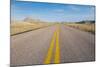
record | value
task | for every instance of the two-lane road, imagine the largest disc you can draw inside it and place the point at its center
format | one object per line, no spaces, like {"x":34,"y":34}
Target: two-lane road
{"x":53,"y":44}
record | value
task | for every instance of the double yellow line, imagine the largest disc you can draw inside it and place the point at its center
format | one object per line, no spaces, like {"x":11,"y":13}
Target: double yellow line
{"x":54,"y":41}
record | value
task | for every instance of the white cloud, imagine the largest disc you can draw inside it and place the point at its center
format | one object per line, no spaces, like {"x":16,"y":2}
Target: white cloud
{"x":59,"y":12}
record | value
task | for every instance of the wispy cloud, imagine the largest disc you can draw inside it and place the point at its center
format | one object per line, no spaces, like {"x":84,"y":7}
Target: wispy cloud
{"x":74,"y":8}
{"x":59,"y":10}
{"x":52,"y":12}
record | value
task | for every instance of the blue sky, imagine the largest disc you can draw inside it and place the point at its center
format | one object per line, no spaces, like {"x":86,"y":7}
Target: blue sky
{"x":51,"y":12}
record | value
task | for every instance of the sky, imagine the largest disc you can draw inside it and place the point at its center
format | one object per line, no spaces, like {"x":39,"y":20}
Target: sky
{"x":51,"y":12}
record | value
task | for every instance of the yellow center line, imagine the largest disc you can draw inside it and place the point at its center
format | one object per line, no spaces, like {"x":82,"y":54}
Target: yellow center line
{"x":55,"y":38}
{"x":57,"y":52}
{"x":49,"y":55}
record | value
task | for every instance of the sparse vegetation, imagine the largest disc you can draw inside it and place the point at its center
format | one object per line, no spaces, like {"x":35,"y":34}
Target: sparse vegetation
{"x":85,"y":27}
{"x":29,"y":24}
{"x":20,"y":27}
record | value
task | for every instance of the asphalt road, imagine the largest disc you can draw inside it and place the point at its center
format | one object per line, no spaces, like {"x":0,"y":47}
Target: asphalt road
{"x":53,"y":44}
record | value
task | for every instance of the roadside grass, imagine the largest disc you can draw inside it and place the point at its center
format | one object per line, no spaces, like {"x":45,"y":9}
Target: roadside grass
{"x":84,"y":27}
{"x":21,"y":27}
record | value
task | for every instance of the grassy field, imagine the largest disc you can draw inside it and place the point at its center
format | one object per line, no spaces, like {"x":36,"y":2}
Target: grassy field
{"x":84,"y":27}
{"x":20,"y":27}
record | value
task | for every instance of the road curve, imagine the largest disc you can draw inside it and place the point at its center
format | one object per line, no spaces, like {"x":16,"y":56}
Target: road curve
{"x":68,"y":45}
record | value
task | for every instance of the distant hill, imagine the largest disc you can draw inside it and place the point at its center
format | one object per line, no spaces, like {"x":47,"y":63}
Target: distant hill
{"x":30,"y":19}
{"x":86,"y":22}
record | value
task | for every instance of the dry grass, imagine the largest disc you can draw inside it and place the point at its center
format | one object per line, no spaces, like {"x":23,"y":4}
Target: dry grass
{"x":84,"y":27}
{"x":19,"y":27}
